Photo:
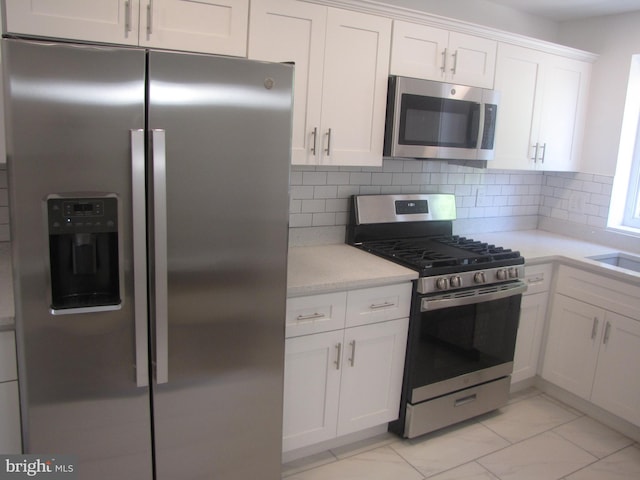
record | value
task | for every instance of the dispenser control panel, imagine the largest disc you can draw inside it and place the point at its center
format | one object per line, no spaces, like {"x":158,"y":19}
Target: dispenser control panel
{"x":73,"y":215}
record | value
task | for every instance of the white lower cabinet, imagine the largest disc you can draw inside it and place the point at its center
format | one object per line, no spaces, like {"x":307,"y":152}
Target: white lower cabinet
{"x":592,"y":350}
{"x":10,"y":433}
{"x":533,"y":314}
{"x":348,"y":379}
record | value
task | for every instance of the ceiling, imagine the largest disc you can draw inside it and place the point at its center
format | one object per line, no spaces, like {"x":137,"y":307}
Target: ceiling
{"x":564,"y":10}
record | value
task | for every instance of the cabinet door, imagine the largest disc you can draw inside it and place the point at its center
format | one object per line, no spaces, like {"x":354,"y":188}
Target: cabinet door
{"x":372,"y":366}
{"x":472,"y":60}
{"x":311,"y":388}
{"x":617,"y":385}
{"x":292,"y":31}
{"x":418,"y":51}
{"x":575,"y":331}
{"x":518,"y":71}
{"x":564,"y":96}
{"x":356,"y":68}
{"x":109,"y":21}
{"x":10,"y":436}
{"x":532,"y":316}
{"x":209,"y":26}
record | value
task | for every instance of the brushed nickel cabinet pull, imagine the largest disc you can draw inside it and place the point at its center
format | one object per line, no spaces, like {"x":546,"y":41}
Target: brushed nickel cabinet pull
{"x":338,"y":355}
{"x":376,"y":306}
{"x":607,"y":332}
{"x":352,"y":360}
{"x":594,"y":328}
{"x":315,"y":139}
{"x":311,"y":316}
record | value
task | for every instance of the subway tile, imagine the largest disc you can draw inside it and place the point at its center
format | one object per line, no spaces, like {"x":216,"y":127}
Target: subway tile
{"x":345,"y":191}
{"x":300,"y":220}
{"x":370,"y":190}
{"x":360,"y":178}
{"x":420,"y":178}
{"x":401,"y":179}
{"x":313,"y":206}
{"x":302,"y":192}
{"x":381,"y":178}
{"x":327,"y":191}
{"x":337,"y":205}
{"x":314,"y":178}
{"x":338,"y":178}
{"x":412,"y":166}
{"x":324,"y":219}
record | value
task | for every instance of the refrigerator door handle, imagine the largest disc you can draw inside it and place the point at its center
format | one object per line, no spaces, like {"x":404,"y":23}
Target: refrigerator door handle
{"x":160,"y":243}
{"x":139,"y":256}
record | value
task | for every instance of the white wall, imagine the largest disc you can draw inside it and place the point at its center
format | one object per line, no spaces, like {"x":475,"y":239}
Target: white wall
{"x":615,"y":38}
{"x":487,"y":13}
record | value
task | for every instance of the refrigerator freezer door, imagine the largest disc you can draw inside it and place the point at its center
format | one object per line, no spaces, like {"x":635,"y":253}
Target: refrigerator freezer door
{"x":227,"y":140}
{"x":70,"y":110}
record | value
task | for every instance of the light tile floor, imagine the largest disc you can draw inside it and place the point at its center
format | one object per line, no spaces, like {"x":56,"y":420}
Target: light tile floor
{"x":533,"y":438}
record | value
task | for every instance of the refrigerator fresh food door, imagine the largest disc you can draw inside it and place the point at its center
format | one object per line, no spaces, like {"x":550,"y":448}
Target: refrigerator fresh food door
{"x":70,"y":110}
{"x":221,"y":131}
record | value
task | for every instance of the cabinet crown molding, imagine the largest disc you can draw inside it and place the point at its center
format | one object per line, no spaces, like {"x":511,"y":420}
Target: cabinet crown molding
{"x":424,"y":18}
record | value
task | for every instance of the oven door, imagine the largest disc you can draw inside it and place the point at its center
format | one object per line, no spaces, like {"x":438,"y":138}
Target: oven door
{"x":462,"y":339}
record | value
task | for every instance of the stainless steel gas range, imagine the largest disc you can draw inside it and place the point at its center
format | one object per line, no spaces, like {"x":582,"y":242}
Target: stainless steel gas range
{"x":465,"y":308}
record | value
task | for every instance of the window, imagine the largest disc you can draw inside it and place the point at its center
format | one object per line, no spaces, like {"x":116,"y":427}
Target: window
{"x":624,"y":213}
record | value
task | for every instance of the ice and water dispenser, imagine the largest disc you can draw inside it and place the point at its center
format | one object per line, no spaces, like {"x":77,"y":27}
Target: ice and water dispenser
{"x":84,"y":254}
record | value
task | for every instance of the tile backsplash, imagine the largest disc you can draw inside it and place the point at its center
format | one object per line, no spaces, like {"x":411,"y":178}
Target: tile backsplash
{"x":487,"y":200}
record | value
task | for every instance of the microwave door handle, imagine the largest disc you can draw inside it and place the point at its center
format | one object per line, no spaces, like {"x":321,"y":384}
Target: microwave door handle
{"x":481,"y":126}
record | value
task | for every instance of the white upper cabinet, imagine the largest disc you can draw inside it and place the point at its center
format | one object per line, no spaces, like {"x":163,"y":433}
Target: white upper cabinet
{"x":210,"y":26}
{"x":542,"y":110}
{"x":291,"y":31}
{"x":421,"y":51}
{"x":109,"y":21}
{"x":342,"y":60}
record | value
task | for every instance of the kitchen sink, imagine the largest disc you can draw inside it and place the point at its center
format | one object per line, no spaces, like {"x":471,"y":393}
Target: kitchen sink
{"x":618,"y":259}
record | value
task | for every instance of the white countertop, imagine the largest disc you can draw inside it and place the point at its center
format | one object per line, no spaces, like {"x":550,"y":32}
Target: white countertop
{"x":538,"y":246}
{"x":326,"y":268}
{"x":329,"y":268}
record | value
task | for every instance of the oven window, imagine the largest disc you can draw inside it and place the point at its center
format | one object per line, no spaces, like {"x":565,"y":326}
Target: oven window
{"x":432,"y":121}
{"x":454,"y":341}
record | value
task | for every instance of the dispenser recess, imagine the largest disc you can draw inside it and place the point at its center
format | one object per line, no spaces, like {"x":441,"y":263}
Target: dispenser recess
{"x":83,"y":253}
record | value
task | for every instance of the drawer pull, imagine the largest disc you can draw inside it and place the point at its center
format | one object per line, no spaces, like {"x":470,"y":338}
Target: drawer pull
{"x":338,"y":355}
{"x":312,"y":316}
{"x":376,"y":306}
{"x":594,"y":328}
{"x":464,"y":400}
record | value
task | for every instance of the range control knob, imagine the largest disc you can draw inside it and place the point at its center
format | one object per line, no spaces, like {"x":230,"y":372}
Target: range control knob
{"x":442,"y":283}
{"x":479,"y":277}
{"x":513,"y":272}
{"x":502,"y":274}
{"x":455,"y":281}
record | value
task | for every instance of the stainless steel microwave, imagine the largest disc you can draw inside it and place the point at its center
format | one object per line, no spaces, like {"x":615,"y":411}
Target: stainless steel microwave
{"x":435,"y":120}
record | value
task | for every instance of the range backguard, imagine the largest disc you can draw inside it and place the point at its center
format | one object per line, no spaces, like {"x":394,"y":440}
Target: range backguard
{"x":83,"y":253}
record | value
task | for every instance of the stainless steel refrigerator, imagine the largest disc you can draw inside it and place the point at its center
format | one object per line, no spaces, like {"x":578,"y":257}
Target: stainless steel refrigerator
{"x":149,"y":215}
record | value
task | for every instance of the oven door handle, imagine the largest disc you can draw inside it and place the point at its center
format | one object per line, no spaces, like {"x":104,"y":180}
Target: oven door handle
{"x":468,"y":297}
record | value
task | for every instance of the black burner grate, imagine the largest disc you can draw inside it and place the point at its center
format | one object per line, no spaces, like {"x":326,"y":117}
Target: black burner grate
{"x":440,"y":253}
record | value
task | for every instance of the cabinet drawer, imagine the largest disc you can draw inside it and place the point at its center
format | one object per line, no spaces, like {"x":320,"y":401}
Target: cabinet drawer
{"x":538,"y":278}
{"x":378,"y":304}
{"x":315,"y":313}
{"x":599,"y":290}
{"x":8,"y":370}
